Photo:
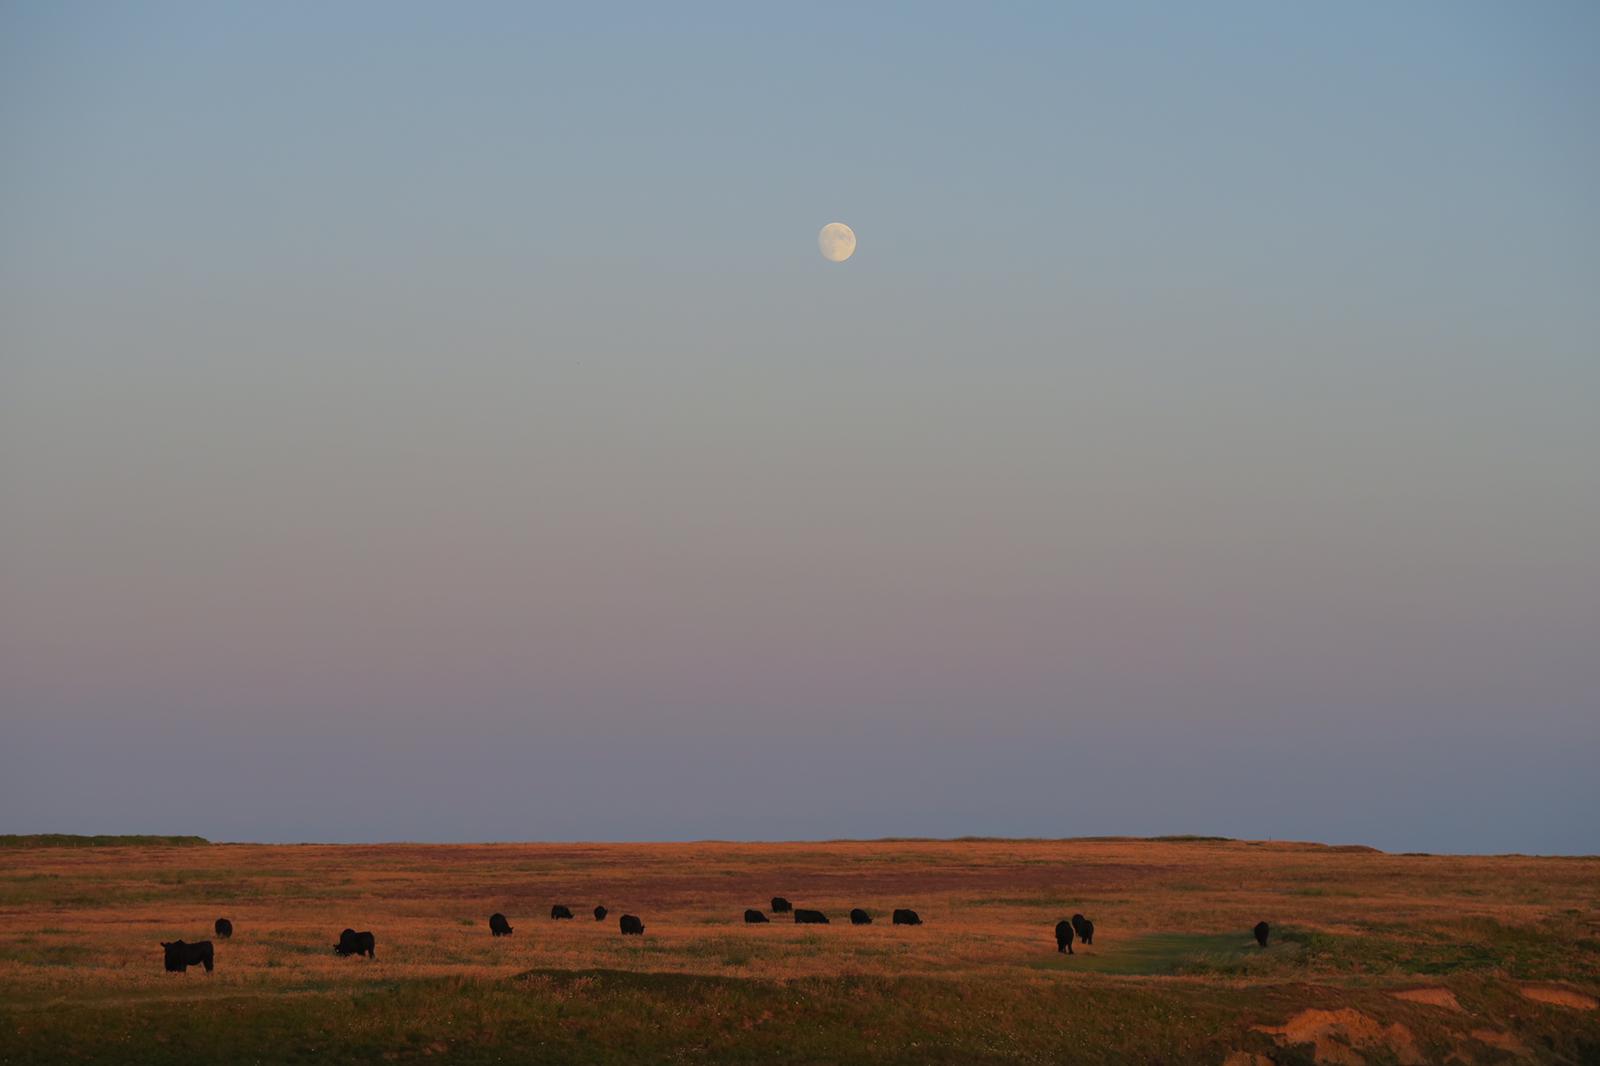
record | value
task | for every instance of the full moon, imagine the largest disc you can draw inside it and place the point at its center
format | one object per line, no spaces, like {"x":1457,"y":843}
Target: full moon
{"x":837,"y":241}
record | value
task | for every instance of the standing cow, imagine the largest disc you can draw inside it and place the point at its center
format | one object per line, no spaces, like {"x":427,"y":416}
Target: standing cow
{"x":781,"y":905}
{"x":860,"y":917}
{"x":905,"y":916}
{"x":631,"y":926}
{"x":224,"y":928}
{"x":1064,"y":937}
{"x":805,"y":917}
{"x":560,"y":911}
{"x":1262,"y":931}
{"x":1084,"y":928}
{"x":498,"y":926}
{"x":178,"y":956}
{"x":600,"y":914}
{"x":754,"y":917}
{"x":354,"y":943}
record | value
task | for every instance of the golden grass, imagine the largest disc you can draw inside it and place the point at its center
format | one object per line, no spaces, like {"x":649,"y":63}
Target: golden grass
{"x":988,"y":906}
{"x":84,"y":925}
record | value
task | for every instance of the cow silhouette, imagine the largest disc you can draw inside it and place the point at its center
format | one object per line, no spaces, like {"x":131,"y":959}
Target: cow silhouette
{"x":179,"y":956}
{"x":559,"y":911}
{"x":1064,"y":937}
{"x":860,"y":917}
{"x":754,"y":917}
{"x":630,"y":925}
{"x":780,"y":905}
{"x":224,"y":928}
{"x":1084,"y":928}
{"x":903,"y":916}
{"x":805,"y":917}
{"x":354,"y":943}
{"x":498,"y":925}
{"x":1262,"y":931}
{"x":600,"y":914}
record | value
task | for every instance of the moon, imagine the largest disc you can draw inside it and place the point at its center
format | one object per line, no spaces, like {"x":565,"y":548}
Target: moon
{"x":837,"y":241}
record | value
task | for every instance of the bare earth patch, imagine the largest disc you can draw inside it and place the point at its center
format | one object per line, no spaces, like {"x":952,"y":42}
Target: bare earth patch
{"x":1503,"y":1041}
{"x":1560,"y":997}
{"x":1433,"y":997}
{"x":1338,"y":1037}
{"x":1246,"y":1058}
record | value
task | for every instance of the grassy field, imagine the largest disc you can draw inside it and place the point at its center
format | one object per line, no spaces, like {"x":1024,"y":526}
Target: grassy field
{"x":1375,"y":958}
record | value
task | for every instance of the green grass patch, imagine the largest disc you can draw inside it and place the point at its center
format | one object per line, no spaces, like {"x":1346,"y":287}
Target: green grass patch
{"x":1543,"y":951}
{"x":1158,"y":954}
{"x":605,"y":1016}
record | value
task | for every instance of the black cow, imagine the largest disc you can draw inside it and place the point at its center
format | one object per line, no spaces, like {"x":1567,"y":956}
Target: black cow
{"x":224,"y":928}
{"x":805,"y":917}
{"x":354,"y":943}
{"x":1084,"y":928}
{"x":860,"y":917}
{"x":631,"y":926}
{"x":780,"y":905}
{"x":1064,"y":937}
{"x":754,"y":917}
{"x":600,"y":914}
{"x":498,"y":926}
{"x":180,"y":956}
{"x":902,"y":916}
{"x":1262,"y":931}
{"x":558,"y":911}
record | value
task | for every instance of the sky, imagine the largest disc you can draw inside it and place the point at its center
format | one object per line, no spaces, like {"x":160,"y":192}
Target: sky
{"x":437,"y":422}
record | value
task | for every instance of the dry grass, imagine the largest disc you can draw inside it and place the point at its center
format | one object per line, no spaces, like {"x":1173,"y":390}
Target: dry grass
{"x":80,"y":929}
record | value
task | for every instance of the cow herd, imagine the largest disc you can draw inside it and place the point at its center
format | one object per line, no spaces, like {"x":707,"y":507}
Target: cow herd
{"x":179,"y":955}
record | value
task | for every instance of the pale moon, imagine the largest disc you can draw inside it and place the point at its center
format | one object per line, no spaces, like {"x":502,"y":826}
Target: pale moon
{"x":837,"y":241}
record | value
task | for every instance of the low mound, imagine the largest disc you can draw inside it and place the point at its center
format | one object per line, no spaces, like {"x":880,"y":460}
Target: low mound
{"x":1433,"y":997}
{"x":1503,"y":1041}
{"x":1560,"y":997}
{"x":1338,"y":1037}
{"x":73,"y":840}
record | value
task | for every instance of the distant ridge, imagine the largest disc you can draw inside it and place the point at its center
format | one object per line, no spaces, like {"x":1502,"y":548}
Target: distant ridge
{"x":74,"y":840}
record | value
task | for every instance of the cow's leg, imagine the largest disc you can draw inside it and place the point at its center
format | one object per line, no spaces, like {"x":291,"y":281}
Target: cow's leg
{"x":207,"y":961}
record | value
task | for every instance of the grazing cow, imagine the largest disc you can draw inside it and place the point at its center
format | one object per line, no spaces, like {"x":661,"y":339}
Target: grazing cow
{"x":805,"y":917}
{"x":860,"y":917}
{"x":558,"y":911}
{"x":354,"y":943}
{"x":1084,"y":928}
{"x":902,"y":916}
{"x":754,"y":917}
{"x":498,"y":925}
{"x":780,"y":905}
{"x":180,"y":956}
{"x":1262,"y":930}
{"x":224,"y":928}
{"x":1064,"y":937}
{"x":600,"y":914}
{"x":631,"y":926}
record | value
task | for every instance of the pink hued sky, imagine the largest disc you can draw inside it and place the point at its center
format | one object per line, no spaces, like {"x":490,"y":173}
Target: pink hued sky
{"x":415,"y":426}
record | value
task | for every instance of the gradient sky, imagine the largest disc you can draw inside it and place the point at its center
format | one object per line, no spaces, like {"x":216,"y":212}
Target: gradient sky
{"x":436,"y":421}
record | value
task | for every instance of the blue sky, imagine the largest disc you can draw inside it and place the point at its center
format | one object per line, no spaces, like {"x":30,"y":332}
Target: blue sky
{"x":425,"y":422}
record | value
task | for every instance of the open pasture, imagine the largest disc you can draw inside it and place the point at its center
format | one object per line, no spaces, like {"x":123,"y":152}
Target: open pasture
{"x":1373,"y":958}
